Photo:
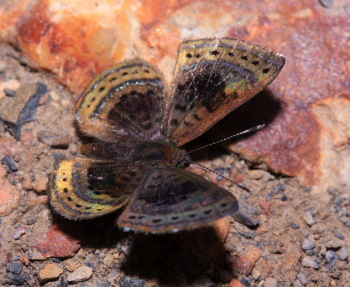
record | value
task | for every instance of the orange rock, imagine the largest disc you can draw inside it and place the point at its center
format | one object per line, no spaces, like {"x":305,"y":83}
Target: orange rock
{"x":56,"y":243}
{"x":9,"y":195}
{"x":244,"y":263}
{"x":50,"y":272}
{"x":266,"y":206}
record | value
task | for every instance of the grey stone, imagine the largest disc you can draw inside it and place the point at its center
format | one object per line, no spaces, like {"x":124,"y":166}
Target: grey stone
{"x":307,"y":244}
{"x":330,"y":255}
{"x":310,"y":263}
{"x":14,"y":268}
{"x":14,"y":279}
{"x":303,"y":280}
{"x":343,"y":253}
{"x":10,"y":163}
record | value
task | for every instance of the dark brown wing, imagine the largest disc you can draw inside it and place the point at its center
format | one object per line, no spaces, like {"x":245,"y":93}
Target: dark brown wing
{"x":172,"y":199}
{"x":125,"y":101}
{"x":212,"y":78}
{"x":84,"y":188}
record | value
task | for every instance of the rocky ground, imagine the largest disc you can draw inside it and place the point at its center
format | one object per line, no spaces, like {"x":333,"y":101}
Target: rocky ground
{"x":302,"y":240}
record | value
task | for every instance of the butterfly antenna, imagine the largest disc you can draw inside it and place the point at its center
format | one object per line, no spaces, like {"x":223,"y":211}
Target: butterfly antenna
{"x":230,"y":137}
{"x":219,"y":174}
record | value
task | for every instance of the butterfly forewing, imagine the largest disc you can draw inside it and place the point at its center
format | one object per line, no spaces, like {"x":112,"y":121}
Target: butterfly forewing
{"x":212,"y":78}
{"x":83,"y":188}
{"x":174,"y":199}
{"x":127,"y":100}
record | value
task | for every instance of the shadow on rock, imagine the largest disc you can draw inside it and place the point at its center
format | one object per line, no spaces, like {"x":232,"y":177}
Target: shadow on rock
{"x":262,"y":109}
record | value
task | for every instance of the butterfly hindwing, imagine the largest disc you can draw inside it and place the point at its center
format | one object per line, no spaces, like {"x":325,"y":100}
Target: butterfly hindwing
{"x":126,"y":100}
{"x":213,"y":77}
{"x":84,"y":188}
{"x":173,"y":199}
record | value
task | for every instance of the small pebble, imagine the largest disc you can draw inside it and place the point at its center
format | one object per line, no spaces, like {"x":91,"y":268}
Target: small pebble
{"x":284,"y":198}
{"x":280,"y":188}
{"x":31,"y":221}
{"x":246,"y":281}
{"x":295,"y":226}
{"x":343,"y":253}
{"x":249,"y":235}
{"x":36,"y":255}
{"x":18,"y":233}
{"x":307,"y":244}
{"x":339,"y":235}
{"x":347,"y":223}
{"x":10,"y":92}
{"x":309,"y":252}
{"x":56,"y":260}
{"x":309,"y":262}
{"x":330,"y":255}
{"x":11,"y":84}
{"x":331,"y":265}
{"x":81,"y":274}
{"x":10,"y":163}
{"x":308,"y":218}
{"x":270,"y":282}
{"x":303,"y":280}
{"x":51,"y":271}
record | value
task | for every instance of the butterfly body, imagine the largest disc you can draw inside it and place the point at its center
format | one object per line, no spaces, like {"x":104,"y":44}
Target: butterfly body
{"x":152,"y":153}
{"x":140,"y":125}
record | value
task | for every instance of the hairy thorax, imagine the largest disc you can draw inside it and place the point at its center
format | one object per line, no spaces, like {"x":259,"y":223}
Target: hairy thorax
{"x":161,"y":153}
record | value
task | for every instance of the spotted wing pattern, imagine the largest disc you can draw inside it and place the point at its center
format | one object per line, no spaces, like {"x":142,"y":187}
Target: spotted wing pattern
{"x":212,"y":78}
{"x":173,"y":199}
{"x":84,"y":188}
{"x":125,"y":101}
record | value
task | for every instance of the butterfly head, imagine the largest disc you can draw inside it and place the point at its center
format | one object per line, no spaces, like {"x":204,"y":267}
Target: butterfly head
{"x":181,"y":158}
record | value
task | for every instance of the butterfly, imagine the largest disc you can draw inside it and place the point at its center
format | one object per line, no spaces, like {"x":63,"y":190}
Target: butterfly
{"x":139,"y":125}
